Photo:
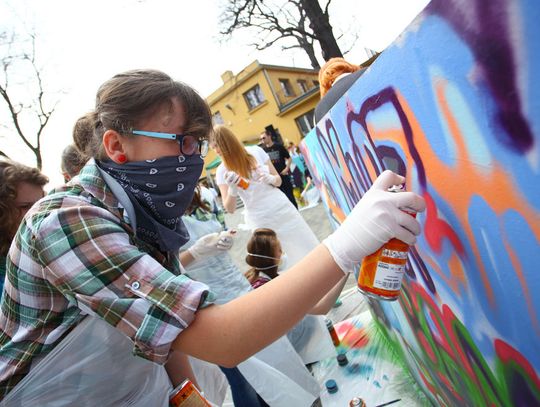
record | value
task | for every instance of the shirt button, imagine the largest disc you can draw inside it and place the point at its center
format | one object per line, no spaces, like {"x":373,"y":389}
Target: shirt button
{"x":135,"y":285}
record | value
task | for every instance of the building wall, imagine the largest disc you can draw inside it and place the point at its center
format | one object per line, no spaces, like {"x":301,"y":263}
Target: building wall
{"x":245,"y":124}
{"x":462,"y":123}
{"x":248,"y":123}
{"x":290,"y":130}
{"x":274,"y":76}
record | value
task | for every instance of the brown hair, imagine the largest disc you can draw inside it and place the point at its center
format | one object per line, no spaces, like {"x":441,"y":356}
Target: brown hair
{"x":72,"y":162}
{"x":197,"y":202}
{"x":129,"y":98}
{"x":11,"y":175}
{"x":263,"y":242}
{"x":233,"y":153}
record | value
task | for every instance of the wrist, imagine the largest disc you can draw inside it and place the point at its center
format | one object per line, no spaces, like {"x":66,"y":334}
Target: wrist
{"x":186,"y":258}
{"x":343,"y":264}
{"x":233,"y":191}
{"x":339,"y":265}
{"x":191,"y":252}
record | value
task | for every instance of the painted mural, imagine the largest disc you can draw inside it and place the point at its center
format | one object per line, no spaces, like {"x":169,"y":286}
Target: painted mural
{"x":454,"y":105}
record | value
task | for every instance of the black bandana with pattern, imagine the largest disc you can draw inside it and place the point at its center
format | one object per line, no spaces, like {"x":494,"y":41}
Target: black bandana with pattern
{"x":160,"y":191}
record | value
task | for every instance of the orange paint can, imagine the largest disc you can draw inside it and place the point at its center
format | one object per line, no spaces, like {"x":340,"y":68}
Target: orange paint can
{"x":381,"y":272}
{"x":332,"y":331}
{"x":187,"y":395}
{"x":243,"y":183}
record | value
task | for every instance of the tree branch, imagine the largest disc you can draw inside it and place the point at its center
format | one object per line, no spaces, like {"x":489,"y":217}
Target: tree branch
{"x":37,"y":104}
{"x":300,"y":20}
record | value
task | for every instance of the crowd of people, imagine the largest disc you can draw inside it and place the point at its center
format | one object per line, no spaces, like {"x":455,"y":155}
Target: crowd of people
{"x":130,"y":257}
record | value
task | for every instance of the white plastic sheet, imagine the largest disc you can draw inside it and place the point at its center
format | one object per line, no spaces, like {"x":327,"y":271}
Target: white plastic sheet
{"x":373,"y":372}
{"x":310,"y":338}
{"x":92,"y":366}
{"x":276,"y":373}
{"x":211,"y":380}
{"x":279,"y":377}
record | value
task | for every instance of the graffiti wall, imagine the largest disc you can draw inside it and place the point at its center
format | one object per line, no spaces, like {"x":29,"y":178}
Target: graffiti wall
{"x":454,"y":105}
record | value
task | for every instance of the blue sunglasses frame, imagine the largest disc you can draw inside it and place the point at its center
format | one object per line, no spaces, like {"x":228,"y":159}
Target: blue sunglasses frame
{"x":202,"y":144}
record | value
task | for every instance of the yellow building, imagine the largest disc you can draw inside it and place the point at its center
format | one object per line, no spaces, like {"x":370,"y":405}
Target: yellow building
{"x":278,"y":98}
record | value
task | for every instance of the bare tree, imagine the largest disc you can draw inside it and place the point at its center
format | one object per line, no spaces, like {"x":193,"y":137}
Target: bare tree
{"x":23,"y":91}
{"x":294,"y":23}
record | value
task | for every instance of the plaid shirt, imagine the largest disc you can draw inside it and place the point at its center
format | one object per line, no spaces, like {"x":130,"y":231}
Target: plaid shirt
{"x":74,"y":254}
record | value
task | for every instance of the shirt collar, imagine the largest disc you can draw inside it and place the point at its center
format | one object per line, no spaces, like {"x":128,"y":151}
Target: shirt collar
{"x":91,"y":180}
{"x":123,"y":200}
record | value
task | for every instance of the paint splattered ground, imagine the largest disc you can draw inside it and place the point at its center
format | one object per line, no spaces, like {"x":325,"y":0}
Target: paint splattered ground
{"x":373,"y":372}
{"x":365,"y":375}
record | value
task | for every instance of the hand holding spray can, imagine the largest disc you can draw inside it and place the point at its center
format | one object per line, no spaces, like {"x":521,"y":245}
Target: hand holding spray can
{"x":243,"y":183}
{"x":234,"y":179}
{"x":381,"y":272}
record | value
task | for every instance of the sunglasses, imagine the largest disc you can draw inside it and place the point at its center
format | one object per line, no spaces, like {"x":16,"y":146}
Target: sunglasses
{"x":189,"y":145}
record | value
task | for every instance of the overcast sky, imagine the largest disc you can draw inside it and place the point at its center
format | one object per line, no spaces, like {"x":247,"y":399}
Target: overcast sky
{"x":84,"y":43}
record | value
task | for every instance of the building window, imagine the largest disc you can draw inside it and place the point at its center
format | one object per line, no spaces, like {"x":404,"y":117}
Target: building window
{"x":254,"y":97}
{"x":302,"y":84}
{"x":286,"y":87}
{"x":306,"y":122}
{"x":217,"y":118}
{"x":316,"y":83}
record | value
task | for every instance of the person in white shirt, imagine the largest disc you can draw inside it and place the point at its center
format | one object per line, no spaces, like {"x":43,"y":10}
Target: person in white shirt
{"x":267,"y":207}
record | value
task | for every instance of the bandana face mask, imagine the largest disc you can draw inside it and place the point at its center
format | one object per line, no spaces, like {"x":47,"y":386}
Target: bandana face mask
{"x":160,"y":191}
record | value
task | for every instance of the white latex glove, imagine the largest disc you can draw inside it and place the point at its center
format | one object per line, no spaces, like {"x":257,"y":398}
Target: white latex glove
{"x":205,"y":246}
{"x":376,"y":219}
{"x":268,"y":178}
{"x":232,"y":179}
{"x":226,"y":239}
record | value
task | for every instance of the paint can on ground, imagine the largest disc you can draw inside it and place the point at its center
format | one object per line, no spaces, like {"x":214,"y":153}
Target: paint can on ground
{"x":331,"y":386}
{"x":357,"y":402}
{"x":332,"y":331}
{"x":342,"y":359}
{"x":187,"y":395}
{"x":381,"y":272}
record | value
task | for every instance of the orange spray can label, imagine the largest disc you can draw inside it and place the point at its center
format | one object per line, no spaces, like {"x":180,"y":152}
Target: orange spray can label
{"x":187,"y":395}
{"x":243,"y":183}
{"x":381,"y":272}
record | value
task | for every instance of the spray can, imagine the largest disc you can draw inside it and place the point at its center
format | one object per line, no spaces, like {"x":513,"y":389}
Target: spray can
{"x":243,"y":183}
{"x":381,"y":272}
{"x":342,"y":359}
{"x":357,"y":402}
{"x":331,"y":386}
{"x":187,"y":395}
{"x":332,"y":331}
